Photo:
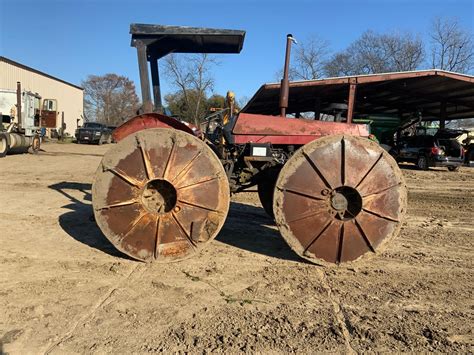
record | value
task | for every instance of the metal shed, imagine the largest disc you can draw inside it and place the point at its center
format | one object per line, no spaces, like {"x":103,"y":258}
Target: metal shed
{"x":433,"y":94}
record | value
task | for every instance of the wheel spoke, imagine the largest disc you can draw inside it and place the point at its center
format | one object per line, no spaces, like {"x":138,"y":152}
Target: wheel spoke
{"x":135,"y":223}
{"x":364,"y":236}
{"x":157,"y":237}
{"x":340,"y":243}
{"x":343,"y":161}
{"x":118,"y":204}
{"x":312,"y":214}
{"x":381,"y":191}
{"x":181,"y":228}
{"x":186,"y":168}
{"x":125,"y":177}
{"x":168,"y":162}
{"x":196,"y":183}
{"x":380,"y":216}
{"x":146,"y":160}
{"x":370,"y":169}
{"x":303,"y":194}
{"x":199,"y":206}
{"x":318,"y":235}
{"x":317,"y":170}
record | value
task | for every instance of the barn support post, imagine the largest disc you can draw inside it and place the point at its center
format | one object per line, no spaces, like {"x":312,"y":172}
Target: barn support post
{"x":351,"y":99}
{"x":442,"y":115}
{"x":144,"y":77}
{"x":155,"y":82}
{"x":317,"y":108}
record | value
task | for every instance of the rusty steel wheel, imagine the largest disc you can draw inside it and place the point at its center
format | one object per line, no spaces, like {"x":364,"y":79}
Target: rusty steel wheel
{"x":339,"y":198}
{"x":160,"y":194}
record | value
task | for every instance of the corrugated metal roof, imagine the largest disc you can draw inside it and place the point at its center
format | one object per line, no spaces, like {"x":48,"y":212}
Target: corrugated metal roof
{"x":398,"y":93}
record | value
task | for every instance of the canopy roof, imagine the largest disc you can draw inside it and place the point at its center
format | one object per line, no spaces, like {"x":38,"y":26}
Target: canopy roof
{"x":434,"y":93}
{"x":162,"y":40}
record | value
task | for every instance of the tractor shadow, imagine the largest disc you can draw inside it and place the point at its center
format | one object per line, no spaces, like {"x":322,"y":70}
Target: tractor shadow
{"x":79,"y":222}
{"x":247,"y":227}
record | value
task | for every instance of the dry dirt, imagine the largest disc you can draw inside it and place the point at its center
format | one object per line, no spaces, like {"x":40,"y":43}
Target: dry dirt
{"x":65,"y":289}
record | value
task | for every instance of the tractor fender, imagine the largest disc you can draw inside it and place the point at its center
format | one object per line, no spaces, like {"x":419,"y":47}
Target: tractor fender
{"x":150,"y":120}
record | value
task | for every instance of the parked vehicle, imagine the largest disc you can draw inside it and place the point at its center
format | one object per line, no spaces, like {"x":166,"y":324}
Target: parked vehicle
{"x":440,"y":150}
{"x":93,"y":132}
{"x":19,"y":121}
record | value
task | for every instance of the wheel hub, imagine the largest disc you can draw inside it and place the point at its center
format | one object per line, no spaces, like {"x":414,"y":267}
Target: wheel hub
{"x":159,"y":196}
{"x":346,"y":202}
{"x":339,"y":202}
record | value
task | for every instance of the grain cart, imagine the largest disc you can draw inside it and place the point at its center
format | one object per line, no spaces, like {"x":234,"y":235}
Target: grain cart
{"x":20,"y":110}
{"x":162,"y":193}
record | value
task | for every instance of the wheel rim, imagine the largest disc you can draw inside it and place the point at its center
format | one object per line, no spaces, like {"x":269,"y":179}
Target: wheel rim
{"x":422,"y":163}
{"x":339,"y":198}
{"x":160,"y":194}
{"x":36,"y":144}
{"x":3,"y":145}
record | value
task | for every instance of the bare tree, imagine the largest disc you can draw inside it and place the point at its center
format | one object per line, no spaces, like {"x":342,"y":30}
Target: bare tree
{"x":307,"y":59}
{"x":310,"y":57}
{"x":340,"y":64}
{"x":377,"y":53}
{"x":191,"y":76}
{"x":110,"y":98}
{"x":452,"y":47}
{"x":405,"y":51}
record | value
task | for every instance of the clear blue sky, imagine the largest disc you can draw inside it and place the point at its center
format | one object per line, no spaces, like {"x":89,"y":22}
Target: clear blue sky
{"x":71,"y":39}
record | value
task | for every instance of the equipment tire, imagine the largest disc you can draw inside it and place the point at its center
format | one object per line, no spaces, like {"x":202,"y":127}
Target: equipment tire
{"x":35,"y":144}
{"x":4,"y":148}
{"x":339,"y":199}
{"x":266,"y":187}
{"x":422,"y":163}
{"x":160,"y":195}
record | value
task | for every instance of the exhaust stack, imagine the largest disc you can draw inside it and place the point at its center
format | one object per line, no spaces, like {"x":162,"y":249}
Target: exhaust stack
{"x":18,"y":102}
{"x":285,"y":86}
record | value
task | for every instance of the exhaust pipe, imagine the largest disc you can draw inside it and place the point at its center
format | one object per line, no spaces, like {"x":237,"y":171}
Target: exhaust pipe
{"x":285,"y":86}
{"x":18,"y":102}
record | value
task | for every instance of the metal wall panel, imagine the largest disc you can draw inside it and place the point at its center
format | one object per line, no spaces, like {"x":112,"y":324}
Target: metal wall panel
{"x":69,"y":98}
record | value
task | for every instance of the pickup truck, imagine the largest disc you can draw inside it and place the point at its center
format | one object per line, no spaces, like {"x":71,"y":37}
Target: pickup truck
{"x":93,"y":132}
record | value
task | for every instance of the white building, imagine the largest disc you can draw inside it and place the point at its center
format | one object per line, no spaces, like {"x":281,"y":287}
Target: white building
{"x":59,"y":96}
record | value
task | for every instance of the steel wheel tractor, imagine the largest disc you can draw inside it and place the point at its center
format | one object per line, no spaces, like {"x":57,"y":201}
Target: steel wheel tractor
{"x":163,"y":192}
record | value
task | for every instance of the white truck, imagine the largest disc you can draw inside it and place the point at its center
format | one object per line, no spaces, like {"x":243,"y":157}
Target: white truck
{"x":20,"y":121}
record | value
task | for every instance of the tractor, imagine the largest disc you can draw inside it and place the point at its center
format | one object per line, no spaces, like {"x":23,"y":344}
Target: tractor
{"x":163,"y":192}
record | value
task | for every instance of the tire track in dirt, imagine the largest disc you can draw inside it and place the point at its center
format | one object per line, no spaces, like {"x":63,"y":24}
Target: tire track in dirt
{"x":136,"y":270}
{"x":338,"y":312}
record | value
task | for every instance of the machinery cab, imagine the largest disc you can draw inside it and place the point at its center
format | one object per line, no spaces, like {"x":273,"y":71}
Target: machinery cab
{"x":49,"y":113}
{"x":31,"y":113}
{"x":22,"y":109}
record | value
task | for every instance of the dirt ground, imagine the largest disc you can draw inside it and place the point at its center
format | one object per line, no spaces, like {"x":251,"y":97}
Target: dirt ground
{"x":65,"y":289}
